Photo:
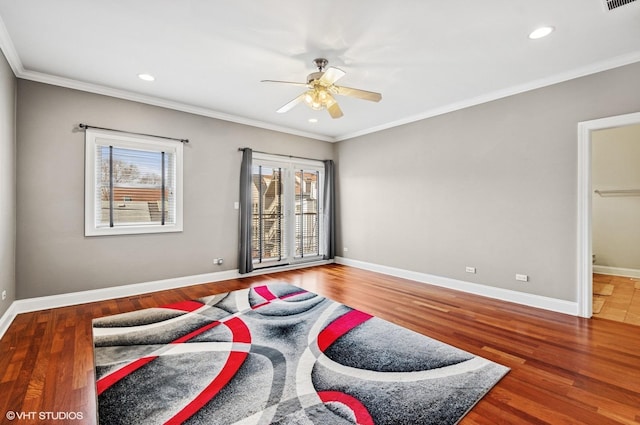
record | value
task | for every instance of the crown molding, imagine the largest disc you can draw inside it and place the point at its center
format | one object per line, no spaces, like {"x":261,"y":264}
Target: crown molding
{"x":6,"y":45}
{"x":163,"y":103}
{"x":499,"y":94}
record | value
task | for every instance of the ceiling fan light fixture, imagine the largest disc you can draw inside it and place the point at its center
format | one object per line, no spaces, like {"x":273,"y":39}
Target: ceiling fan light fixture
{"x":317,"y":98}
{"x":308,"y":97}
{"x":311,"y":99}
{"x":321,"y":88}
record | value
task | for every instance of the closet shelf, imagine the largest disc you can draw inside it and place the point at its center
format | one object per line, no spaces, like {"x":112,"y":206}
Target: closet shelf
{"x":618,"y":192}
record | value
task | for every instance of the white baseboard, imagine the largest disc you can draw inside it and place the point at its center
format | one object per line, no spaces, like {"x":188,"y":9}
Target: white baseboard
{"x":74,"y":298}
{"x":7,"y":318}
{"x":81,"y":297}
{"x":616,"y":271}
{"x":531,"y":300}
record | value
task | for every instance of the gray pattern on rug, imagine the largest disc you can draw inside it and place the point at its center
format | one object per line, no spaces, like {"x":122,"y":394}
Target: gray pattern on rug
{"x":277,"y":354}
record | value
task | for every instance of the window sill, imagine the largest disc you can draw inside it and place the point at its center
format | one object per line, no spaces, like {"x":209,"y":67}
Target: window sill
{"x":133,"y":230}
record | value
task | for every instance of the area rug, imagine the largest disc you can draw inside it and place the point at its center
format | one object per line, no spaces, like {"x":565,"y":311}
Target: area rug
{"x":277,"y":354}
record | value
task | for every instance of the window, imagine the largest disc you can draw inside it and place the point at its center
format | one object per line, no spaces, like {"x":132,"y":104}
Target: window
{"x":286,"y":210}
{"x":133,"y":184}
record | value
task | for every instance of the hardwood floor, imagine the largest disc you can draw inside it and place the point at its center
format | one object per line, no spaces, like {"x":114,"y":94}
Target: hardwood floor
{"x":564,"y":369}
{"x":616,"y":298}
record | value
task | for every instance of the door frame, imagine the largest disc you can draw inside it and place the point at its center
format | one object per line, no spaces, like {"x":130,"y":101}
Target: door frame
{"x":585,"y":266}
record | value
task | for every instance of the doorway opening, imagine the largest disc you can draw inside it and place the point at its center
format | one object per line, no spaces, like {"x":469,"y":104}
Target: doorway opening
{"x":585,"y":202}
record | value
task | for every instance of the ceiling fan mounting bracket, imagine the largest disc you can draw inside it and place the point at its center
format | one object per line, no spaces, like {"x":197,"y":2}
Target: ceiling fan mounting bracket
{"x":321,"y":63}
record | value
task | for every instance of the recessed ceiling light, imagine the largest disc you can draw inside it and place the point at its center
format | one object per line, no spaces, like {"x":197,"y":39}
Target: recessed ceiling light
{"x":146,"y":77}
{"x":540,"y":32}
{"x":313,"y":120}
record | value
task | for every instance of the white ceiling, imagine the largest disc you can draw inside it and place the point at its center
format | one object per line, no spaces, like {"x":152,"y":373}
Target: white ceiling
{"x":208,"y":57}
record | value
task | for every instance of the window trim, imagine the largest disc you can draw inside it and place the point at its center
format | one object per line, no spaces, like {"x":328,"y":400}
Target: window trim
{"x":95,"y":137}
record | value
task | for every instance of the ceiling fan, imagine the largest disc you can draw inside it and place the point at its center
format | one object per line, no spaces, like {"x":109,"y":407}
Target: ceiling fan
{"x":321,"y":90}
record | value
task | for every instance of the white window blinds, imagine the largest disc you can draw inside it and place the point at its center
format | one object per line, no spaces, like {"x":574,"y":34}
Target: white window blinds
{"x":133,"y":184}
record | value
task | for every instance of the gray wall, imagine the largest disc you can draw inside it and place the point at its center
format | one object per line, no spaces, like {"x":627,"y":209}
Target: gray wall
{"x":7,"y":183}
{"x":492,"y":186}
{"x":616,"y":219}
{"x":54,"y":257}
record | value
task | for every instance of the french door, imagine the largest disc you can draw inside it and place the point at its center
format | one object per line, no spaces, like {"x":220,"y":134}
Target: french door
{"x":286,"y":211}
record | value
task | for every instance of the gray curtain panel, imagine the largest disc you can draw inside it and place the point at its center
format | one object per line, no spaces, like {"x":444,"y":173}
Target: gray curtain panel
{"x":329,"y":210}
{"x":245,"y":264}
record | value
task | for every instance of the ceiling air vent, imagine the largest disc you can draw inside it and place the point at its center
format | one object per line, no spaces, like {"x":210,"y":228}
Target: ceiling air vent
{"x":613,"y":4}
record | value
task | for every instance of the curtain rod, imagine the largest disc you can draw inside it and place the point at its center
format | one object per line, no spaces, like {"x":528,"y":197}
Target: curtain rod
{"x":85,"y":126}
{"x":278,"y":154}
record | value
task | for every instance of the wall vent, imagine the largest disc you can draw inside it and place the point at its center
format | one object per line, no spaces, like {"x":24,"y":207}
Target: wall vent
{"x":613,"y":4}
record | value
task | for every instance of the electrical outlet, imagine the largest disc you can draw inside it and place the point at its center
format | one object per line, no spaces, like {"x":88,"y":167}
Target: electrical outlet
{"x":345,"y":249}
{"x":4,"y":295}
{"x":217,"y":261}
{"x":522,"y":277}
{"x":470,"y":269}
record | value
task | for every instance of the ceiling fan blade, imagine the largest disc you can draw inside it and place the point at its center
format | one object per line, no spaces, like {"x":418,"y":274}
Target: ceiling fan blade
{"x":285,"y":82}
{"x":331,"y":75}
{"x":334,"y":110}
{"x":291,"y":104}
{"x":360,"y":94}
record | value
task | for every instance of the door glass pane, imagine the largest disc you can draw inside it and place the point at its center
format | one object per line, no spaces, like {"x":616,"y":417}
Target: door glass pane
{"x":306,"y":213}
{"x":268,"y":214}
